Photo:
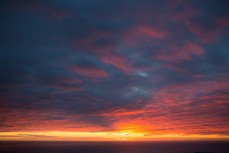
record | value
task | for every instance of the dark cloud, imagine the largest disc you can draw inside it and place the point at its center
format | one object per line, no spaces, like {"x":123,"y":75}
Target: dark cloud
{"x":106,"y":65}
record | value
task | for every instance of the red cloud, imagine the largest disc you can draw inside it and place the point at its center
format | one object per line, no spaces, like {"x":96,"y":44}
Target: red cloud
{"x":186,"y":16}
{"x":187,"y":92}
{"x":223,"y":22}
{"x":119,"y":62}
{"x":208,"y":34}
{"x":184,"y":52}
{"x":190,"y":105}
{"x":152,"y":32}
{"x":141,"y":33}
{"x":192,"y":108}
{"x":90,"y":42}
{"x":90,"y":72}
{"x":205,"y":35}
{"x":42,"y":120}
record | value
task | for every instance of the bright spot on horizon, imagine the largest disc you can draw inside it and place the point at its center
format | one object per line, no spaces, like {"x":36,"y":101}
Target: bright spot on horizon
{"x":96,"y":70}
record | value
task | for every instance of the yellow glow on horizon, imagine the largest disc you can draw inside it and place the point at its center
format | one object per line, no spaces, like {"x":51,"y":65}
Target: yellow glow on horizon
{"x":100,"y":136}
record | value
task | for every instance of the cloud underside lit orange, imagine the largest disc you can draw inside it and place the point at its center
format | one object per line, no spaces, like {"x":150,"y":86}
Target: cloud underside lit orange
{"x":102,"y":136}
{"x":169,"y":115}
{"x":134,"y":70}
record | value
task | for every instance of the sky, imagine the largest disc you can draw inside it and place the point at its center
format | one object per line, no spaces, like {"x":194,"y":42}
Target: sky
{"x":114,"y":69}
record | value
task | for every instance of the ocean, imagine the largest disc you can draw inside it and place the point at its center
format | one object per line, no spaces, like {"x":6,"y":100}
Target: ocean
{"x":114,"y":147}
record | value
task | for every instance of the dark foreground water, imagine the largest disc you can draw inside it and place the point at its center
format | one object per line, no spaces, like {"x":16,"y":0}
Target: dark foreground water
{"x":114,"y":147}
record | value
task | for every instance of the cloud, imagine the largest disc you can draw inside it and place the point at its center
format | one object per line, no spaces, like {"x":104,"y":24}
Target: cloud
{"x":191,"y":106}
{"x":183,"y":52}
{"x":142,"y":33}
{"x":117,"y":61}
{"x":152,"y":32}
{"x":154,"y":67}
{"x":90,"y":72}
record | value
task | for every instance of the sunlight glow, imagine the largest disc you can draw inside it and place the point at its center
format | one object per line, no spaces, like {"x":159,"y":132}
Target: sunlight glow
{"x":100,"y":136}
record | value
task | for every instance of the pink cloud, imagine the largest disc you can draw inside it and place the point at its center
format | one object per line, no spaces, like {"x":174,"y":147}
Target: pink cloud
{"x":205,"y":35}
{"x":208,"y":34}
{"x":42,"y":120}
{"x":152,"y":32}
{"x":186,"y":16}
{"x":189,"y":105}
{"x":90,"y":72}
{"x":142,"y":33}
{"x":185,"y":52}
{"x":117,"y":61}
{"x":223,"y":22}
{"x":67,"y":84}
{"x":186,"y":92}
{"x":89,"y":43}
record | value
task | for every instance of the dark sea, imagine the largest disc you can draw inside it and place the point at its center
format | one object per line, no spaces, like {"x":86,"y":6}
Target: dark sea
{"x":114,"y":147}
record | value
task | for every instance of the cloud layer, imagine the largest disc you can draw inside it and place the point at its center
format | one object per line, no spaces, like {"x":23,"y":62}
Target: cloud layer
{"x":155,"y":67}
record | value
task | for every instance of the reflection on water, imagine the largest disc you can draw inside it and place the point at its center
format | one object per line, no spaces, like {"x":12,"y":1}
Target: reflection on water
{"x":114,"y":147}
